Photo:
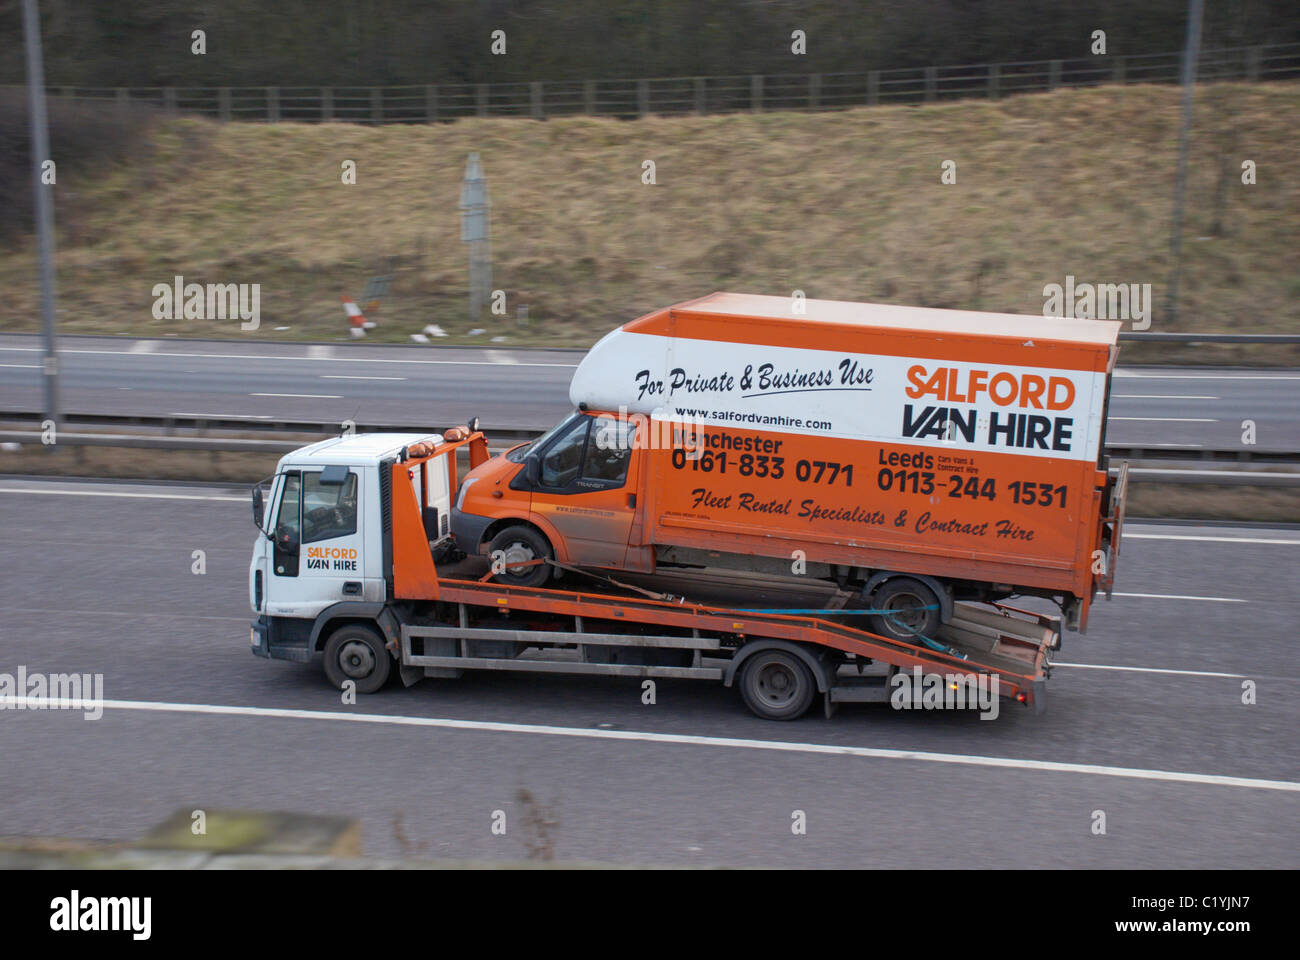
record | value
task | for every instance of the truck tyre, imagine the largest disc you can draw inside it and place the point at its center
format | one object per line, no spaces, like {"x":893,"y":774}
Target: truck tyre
{"x":356,"y":652}
{"x":519,"y":544}
{"x":777,"y":685}
{"x":906,"y":620}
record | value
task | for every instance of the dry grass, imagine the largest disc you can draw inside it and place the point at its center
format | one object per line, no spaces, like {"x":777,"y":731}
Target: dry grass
{"x":841,"y":205}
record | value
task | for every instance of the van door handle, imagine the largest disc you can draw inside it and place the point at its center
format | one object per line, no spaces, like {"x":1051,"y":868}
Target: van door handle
{"x":352,"y":588}
{"x":631,"y":500}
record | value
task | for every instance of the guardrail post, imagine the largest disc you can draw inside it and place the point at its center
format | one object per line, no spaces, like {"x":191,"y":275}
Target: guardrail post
{"x":931,"y":82}
{"x":814,"y":91}
{"x":223,"y":103}
{"x":589,"y":97}
{"x":481,"y":100}
{"x":327,"y":103}
{"x":431,"y":101}
{"x":1253,"y":59}
{"x":1117,"y":70}
{"x":643,"y":97}
{"x":376,"y":104}
{"x":535,"y":99}
{"x":993,"y":81}
{"x":169,"y":99}
{"x":273,"y":104}
{"x":756,"y":93}
{"x":873,"y":88}
{"x":1054,"y":75}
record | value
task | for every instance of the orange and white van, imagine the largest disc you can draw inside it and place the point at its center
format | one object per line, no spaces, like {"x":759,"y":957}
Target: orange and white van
{"x":913,"y":456}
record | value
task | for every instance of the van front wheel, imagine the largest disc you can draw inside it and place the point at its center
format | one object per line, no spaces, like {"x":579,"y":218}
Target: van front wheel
{"x":519,"y":544}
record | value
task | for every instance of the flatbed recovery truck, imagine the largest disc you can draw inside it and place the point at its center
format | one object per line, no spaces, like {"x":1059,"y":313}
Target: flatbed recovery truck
{"x":344,"y":569}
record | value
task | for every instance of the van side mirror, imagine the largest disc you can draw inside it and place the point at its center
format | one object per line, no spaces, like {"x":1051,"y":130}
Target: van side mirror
{"x":259,"y":507}
{"x":533,"y":469}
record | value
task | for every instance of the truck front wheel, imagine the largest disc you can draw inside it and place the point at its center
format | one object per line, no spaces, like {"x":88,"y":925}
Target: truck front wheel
{"x":520,"y":544}
{"x":356,"y":652}
{"x":777,"y":685}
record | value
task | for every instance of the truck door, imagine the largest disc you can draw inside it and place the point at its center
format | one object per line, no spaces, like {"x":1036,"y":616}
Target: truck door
{"x":582,"y":488}
{"x":317,"y":556}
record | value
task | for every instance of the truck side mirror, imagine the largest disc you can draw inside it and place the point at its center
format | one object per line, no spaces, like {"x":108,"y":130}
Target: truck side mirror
{"x":259,"y":508}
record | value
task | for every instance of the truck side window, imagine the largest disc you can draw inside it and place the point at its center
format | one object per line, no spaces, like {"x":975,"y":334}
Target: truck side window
{"x":328,"y":510}
{"x":608,"y":451}
{"x":286,"y":518}
{"x":563,"y":460}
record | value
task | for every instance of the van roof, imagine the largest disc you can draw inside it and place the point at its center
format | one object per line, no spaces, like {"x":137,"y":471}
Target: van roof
{"x":884,"y":316}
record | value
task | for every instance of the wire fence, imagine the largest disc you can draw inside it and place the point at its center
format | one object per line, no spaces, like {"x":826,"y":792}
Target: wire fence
{"x":688,"y":95}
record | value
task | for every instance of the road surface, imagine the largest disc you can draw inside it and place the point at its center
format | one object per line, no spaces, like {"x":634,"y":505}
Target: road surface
{"x":1145,"y":717}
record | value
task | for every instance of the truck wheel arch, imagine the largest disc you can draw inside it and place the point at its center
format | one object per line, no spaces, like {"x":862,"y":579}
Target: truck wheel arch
{"x":821,"y":670}
{"x":355,"y":611}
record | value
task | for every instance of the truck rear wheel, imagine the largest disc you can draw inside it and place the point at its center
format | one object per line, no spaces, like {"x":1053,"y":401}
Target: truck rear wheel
{"x":777,"y":685}
{"x":907,"y":618}
{"x":519,"y":544}
{"x":356,"y":652}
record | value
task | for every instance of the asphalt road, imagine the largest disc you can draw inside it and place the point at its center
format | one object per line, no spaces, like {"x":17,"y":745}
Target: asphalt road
{"x":434,"y":386}
{"x":99,"y":579}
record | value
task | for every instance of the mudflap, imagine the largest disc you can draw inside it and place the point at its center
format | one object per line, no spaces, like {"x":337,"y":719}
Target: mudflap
{"x":1039,"y":704}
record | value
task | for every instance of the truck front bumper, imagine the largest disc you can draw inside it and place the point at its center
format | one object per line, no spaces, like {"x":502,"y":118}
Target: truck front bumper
{"x":269,"y":640}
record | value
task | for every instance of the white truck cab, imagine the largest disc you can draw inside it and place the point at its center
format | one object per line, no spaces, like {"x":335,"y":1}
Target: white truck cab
{"x":322,"y":539}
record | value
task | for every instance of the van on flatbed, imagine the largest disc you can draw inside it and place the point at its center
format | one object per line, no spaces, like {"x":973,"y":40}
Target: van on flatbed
{"x":916,"y":458}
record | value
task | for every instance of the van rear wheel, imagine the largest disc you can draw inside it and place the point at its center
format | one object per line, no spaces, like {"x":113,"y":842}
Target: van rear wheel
{"x":357,"y":653}
{"x":520,"y":544}
{"x":911,"y":610}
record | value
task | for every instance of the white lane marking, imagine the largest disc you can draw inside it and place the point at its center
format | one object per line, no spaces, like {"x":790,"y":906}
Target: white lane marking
{"x":143,"y":346}
{"x":1178,"y":536}
{"x":1174,"y":596}
{"x":1182,"y":673}
{"x":1199,"y":376}
{"x":22,"y":366}
{"x":485,"y":726}
{"x":318,"y":351}
{"x":225,"y":416}
{"x":1167,"y":419}
{"x":257,"y":356}
{"x":302,"y":396}
{"x":341,"y":376}
{"x":1157,"y":396}
{"x":117,"y":493}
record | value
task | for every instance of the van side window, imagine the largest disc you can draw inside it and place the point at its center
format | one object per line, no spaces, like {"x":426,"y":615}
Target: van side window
{"x":563,"y":460}
{"x":329,"y":510}
{"x":608,"y":451}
